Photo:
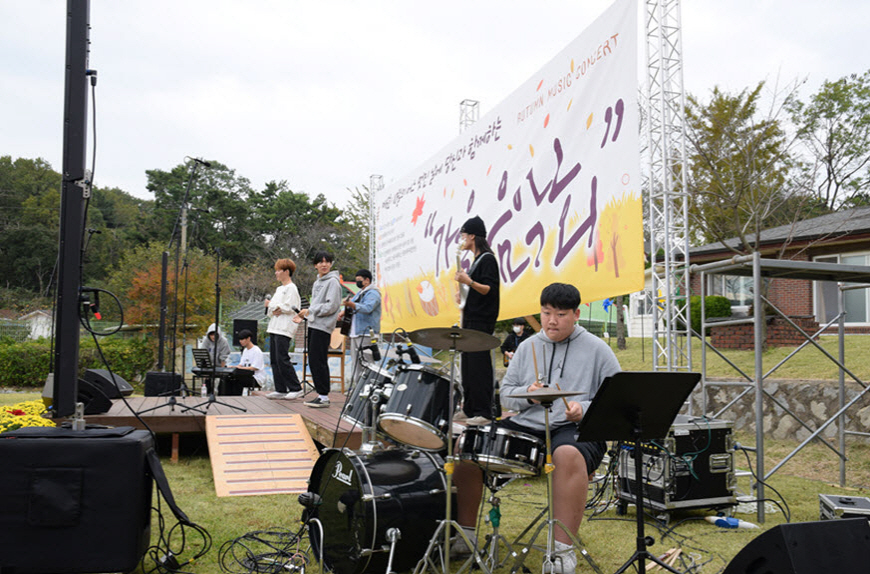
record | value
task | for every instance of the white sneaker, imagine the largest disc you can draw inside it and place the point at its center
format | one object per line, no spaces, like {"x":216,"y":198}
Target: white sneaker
{"x":564,"y":559}
{"x":294,"y":395}
{"x":276,"y":395}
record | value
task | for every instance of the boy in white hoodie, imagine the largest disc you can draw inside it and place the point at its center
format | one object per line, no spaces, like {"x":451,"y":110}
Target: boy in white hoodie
{"x":578,"y":361}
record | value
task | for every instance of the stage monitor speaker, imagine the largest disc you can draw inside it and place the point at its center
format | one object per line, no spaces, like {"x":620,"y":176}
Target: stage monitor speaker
{"x":828,"y":546}
{"x":162,"y":384}
{"x":241,"y":324}
{"x":93,"y":397}
{"x":101,"y":378}
{"x":74,"y":501}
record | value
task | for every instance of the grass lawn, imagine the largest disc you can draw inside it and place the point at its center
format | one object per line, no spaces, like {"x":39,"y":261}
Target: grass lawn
{"x":609,"y":538}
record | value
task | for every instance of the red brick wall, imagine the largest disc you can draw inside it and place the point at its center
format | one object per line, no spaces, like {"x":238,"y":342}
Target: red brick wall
{"x":780,"y":333}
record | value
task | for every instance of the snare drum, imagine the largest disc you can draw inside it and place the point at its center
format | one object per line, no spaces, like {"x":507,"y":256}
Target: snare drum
{"x":416,"y":413}
{"x":374,"y":386}
{"x":362,"y":496}
{"x":502,"y":451}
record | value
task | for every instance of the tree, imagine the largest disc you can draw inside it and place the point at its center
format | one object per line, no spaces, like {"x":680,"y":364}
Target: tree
{"x":742,"y":177}
{"x":834,"y":126}
{"x":220,"y":205}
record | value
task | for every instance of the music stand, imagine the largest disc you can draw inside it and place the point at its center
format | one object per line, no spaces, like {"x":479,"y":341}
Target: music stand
{"x":636,"y":406}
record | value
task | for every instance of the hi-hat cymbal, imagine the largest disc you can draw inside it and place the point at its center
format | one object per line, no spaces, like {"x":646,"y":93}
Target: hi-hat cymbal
{"x":444,"y":338}
{"x":425,"y":359}
{"x":544,"y":395}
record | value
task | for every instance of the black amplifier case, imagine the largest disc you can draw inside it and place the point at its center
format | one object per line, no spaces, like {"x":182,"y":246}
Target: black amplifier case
{"x":74,"y":501}
{"x":699,"y":472}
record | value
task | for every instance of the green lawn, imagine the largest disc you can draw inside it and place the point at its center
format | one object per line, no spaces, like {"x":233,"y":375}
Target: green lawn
{"x":609,"y":538}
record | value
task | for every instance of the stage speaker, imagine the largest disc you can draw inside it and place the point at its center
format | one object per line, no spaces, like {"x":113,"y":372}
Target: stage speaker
{"x":93,"y":397}
{"x":74,"y":501}
{"x":241,"y":324}
{"x":829,"y":546}
{"x":101,"y":378}
{"x":162,"y":384}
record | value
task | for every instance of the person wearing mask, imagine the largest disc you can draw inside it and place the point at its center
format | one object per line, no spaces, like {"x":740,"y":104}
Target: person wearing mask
{"x":366,"y":321}
{"x":321,"y":316}
{"x":479,"y":301}
{"x":282,"y":309}
{"x":518,"y":334}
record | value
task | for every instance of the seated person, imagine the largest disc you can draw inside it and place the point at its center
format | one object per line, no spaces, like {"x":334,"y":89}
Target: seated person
{"x":577,"y":361}
{"x":252,"y":357}
{"x":214,"y":338}
{"x":518,"y":334}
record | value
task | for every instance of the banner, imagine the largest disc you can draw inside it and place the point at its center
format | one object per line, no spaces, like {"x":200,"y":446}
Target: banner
{"x":553,"y":171}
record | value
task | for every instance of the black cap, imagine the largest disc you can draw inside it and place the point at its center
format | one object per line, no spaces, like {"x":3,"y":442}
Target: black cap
{"x":474,"y":226}
{"x":519,"y":321}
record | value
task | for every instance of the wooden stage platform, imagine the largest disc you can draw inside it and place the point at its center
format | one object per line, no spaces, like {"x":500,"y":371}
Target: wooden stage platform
{"x":324,"y":424}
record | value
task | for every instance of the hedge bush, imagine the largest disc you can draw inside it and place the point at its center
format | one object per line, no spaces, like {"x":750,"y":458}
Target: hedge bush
{"x":715,"y":305}
{"x":28,"y":363}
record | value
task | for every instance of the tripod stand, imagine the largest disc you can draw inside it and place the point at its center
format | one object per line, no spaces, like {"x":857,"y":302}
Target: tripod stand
{"x":636,"y":407}
{"x":217,"y":306}
{"x":546,"y":397}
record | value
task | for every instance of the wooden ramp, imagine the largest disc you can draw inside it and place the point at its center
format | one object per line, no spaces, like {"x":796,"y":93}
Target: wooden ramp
{"x":259,"y":454}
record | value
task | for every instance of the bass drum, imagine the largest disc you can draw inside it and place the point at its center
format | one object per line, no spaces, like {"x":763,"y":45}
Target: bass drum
{"x":364,"y":495}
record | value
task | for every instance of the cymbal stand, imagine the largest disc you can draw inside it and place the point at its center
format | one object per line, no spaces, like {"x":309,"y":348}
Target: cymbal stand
{"x":448,"y":523}
{"x":550,"y":522}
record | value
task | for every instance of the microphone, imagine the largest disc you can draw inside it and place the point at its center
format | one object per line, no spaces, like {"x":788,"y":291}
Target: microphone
{"x":266,"y":309}
{"x":309,"y":500}
{"x":412,"y":352}
{"x":373,"y":346}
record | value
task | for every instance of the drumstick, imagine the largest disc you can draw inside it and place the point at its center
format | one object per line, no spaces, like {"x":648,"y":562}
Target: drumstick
{"x":535,"y":359}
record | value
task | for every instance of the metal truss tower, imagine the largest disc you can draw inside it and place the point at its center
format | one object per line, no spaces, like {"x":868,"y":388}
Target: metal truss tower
{"x":668,"y":202}
{"x":376,"y":184}
{"x":469,"y":113}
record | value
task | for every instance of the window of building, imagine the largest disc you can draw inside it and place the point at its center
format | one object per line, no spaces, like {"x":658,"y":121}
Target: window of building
{"x":736,"y":289}
{"x":826,"y":293}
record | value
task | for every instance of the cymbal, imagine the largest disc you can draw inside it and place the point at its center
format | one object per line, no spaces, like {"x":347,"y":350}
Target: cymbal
{"x":425,"y":359}
{"x":544,"y":395}
{"x":444,"y":338}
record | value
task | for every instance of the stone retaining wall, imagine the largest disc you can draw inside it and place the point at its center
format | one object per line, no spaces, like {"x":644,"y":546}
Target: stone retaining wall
{"x":813,"y":401}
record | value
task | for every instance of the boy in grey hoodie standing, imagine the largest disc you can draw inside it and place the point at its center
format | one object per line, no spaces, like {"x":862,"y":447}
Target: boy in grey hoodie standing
{"x":577,"y":361}
{"x":321,"y":315}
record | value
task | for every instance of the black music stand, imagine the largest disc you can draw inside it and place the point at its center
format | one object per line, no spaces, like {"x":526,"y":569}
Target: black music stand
{"x":637,"y":406}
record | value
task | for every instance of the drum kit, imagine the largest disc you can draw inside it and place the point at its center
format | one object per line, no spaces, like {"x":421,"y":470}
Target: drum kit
{"x":390,"y":506}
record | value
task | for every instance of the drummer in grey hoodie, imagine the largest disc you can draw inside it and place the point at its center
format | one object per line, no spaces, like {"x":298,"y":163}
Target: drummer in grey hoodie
{"x":568,"y":356}
{"x":321,"y":315}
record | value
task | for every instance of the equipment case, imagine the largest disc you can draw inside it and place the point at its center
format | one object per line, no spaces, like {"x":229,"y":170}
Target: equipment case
{"x":693,"y":467}
{"x":834,"y":506}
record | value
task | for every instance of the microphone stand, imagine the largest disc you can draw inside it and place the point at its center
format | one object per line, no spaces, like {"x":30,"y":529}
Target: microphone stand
{"x":217,"y":306}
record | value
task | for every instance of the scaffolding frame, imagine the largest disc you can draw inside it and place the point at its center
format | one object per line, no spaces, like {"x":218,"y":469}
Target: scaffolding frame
{"x":376,"y":184}
{"x":848,"y":277}
{"x":668,"y":202}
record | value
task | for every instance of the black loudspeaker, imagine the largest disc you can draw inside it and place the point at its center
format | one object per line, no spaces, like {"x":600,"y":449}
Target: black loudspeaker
{"x":162,"y":384}
{"x":93,"y":397}
{"x":829,"y":546}
{"x":74,"y":501}
{"x":241,"y":324}
{"x":101,"y":378}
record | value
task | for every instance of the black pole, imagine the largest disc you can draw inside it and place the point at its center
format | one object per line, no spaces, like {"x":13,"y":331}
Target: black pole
{"x":161,"y":333}
{"x":73,"y":186}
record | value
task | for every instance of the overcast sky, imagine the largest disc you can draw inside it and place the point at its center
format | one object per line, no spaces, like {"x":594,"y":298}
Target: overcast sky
{"x":324,"y":94}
